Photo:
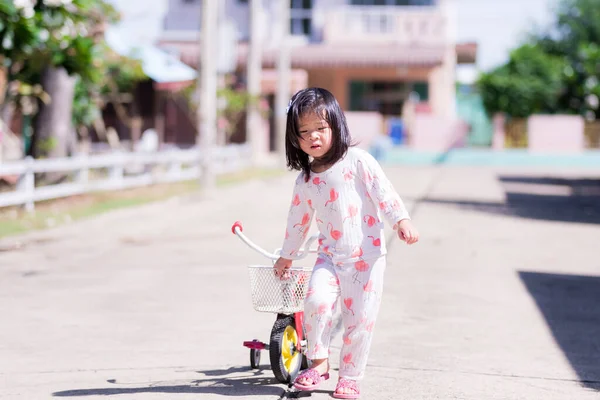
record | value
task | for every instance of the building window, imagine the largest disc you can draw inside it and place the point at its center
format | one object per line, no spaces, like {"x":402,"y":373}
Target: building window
{"x":301,"y":17}
{"x":393,"y":2}
{"x":386,"y":98}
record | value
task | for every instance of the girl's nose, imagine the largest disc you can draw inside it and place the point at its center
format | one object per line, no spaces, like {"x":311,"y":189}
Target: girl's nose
{"x":314,"y":135}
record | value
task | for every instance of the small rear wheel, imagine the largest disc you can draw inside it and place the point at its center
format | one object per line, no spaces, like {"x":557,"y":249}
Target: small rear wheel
{"x":254,"y":358}
{"x":284,"y":349}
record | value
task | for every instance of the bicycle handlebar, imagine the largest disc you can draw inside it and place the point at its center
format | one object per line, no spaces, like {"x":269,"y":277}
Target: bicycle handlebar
{"x":237,"y":229}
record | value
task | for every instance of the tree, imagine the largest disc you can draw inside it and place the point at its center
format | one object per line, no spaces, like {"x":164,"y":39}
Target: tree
{"x":575,"y":36}
{"x":55,"y":45}
{"x":529,"y":83}
{"x":555,"y":72}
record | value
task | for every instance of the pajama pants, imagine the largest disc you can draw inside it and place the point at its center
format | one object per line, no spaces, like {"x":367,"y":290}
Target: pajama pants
{"x":359,"y":287}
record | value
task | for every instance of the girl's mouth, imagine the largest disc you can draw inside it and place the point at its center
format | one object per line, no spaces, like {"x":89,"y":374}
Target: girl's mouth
{"x":315,"y":146}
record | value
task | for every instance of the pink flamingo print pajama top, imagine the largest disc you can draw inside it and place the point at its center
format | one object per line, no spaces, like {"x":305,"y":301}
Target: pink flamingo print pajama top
{"x":348,"y":201}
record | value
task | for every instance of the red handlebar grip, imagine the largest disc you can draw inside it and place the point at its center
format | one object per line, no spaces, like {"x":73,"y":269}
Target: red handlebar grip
{"x":237,"y":224}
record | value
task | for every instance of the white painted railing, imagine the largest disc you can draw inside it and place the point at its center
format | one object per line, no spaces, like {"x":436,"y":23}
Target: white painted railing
{"x":400,"y":25}
{"x":115,"y":171}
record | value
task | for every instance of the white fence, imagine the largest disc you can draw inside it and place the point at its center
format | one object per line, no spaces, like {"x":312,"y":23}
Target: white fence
{"x":114,"y":171}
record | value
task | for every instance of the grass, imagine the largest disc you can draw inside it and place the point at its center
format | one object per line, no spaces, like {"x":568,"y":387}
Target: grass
{"x":52,"y":213}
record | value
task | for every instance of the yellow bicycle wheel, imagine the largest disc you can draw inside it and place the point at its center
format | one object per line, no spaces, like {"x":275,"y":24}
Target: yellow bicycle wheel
{"x":284,"y":349}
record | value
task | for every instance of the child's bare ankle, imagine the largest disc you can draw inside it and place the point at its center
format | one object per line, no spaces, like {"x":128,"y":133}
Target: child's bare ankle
{"x":321,"y":365}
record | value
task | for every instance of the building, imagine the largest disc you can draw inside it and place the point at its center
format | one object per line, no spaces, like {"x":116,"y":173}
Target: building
{"x":375,"y":56}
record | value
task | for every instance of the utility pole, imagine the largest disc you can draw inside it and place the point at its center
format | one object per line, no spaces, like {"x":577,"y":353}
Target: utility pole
{"x":207,"y":84}
{"x":253,"y":80}
{"x":282,"y":96}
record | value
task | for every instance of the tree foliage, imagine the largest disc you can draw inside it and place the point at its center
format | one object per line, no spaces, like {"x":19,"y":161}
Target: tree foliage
{"x":35,"y":34}
{"x":529,"y":83}
{"x":555,"y":72}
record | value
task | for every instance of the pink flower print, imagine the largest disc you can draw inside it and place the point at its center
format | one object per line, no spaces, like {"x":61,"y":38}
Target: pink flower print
{"x":326,"y":250}
{"x":370,"y":220}
{"x":329,"y":324}
{"x":382,"y":205}
{"x":348,"y":360}
{"x":361,"y":266}
{"x":309,"y":201}
{"x":347,"y":340}
{"x":307,"y":327}
{"x":358,"y":252}
{"x":333,"y":196}
{"x":352,"y":211}
{"x":287,"y":234}
{"x":348,"y":303}
{"x":304,"y":223}
{"x":348,"y":174}
{"x":368,"y":287}
{"x":370,"y":326}
{"x":335,"y":234}
{"x":376,"y":242}
{"x":296,"y":201}
{"x":319,"y":220}
{"x":396,"y":205}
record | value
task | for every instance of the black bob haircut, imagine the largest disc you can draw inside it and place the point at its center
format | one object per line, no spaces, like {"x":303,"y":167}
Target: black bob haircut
{"x":316,"y":101}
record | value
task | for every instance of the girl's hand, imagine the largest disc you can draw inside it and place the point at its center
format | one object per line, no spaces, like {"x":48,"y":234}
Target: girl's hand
{"x":280,"y":267}
{"x":407,"y":232}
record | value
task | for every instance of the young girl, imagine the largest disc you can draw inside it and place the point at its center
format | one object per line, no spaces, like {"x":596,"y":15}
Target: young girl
{"x":346,"y":191}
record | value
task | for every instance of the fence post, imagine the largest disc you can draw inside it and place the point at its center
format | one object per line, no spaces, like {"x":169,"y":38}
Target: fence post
{"x":83,"y":175}
{"x":174,"y":169}
{"x":26,"y":185}
{"x":117,"y":170}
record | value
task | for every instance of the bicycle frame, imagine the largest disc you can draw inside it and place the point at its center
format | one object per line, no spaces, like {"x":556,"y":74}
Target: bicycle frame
{"x":237,"y":229}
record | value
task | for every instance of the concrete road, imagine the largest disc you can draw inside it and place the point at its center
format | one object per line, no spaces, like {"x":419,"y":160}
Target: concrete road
{"x":499,"y":300}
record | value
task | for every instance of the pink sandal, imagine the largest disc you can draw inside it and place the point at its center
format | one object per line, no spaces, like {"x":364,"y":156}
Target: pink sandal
{"x":313,"y":375}
{"x":344,"y":383}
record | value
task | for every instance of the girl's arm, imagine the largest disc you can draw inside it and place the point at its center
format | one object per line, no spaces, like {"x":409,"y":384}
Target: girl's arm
{"x":381,"y":191}
{"x":299,"y":219}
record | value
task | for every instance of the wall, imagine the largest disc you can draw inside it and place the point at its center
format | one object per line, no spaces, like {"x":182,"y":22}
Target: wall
{"x":365,"y":127}
{"x":555,"y":133}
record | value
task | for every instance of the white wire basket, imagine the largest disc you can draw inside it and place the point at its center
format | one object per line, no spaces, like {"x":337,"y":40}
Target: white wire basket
{"x":275,"y":295}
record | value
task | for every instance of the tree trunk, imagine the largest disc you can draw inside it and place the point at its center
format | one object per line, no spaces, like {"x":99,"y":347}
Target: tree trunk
{"x":54,"y":132}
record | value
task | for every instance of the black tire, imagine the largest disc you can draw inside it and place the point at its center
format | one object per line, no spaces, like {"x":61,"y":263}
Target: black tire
{"x":305,"y":363}
{"x":285,"y":366}
{"x":254,"y":359}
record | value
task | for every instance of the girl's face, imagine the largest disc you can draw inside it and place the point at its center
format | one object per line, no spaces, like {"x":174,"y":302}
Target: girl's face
{"x":315,"y":135}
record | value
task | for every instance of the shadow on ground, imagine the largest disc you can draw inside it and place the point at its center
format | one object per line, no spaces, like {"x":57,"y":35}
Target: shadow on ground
{"x":244,"y":383}
{"x":571,"y":307}
{"x":564,"y":200}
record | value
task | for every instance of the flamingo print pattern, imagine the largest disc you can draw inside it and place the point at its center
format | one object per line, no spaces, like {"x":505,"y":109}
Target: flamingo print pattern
{"x":358,"y":289}
{"x":349,"y":200}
